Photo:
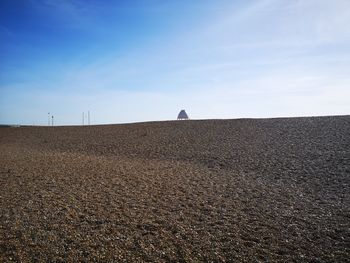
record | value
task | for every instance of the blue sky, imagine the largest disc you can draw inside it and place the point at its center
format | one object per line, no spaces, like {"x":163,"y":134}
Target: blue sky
{"x":128,"y":61}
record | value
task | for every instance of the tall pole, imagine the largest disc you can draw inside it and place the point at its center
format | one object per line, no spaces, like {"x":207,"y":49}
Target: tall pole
{"x":48,"y":119}
{"x":88,"y":117}
{"x":52,"y":120}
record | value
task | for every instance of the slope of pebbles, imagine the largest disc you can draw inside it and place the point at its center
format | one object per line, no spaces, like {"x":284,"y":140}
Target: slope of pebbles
{"x":183,"y":191}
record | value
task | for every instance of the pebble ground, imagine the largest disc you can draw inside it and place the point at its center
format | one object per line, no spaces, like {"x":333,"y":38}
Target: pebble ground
{"x":245,"y":190}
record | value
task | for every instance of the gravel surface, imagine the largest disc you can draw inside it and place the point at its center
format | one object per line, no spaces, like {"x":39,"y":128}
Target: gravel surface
{"x":246,"y":190}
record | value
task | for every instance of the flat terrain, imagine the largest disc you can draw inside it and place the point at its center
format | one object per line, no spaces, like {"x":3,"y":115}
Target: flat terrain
{"x":245,"y":190}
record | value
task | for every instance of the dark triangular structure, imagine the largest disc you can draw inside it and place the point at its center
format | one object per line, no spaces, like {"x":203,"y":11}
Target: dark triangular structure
{"x":182,"y":115}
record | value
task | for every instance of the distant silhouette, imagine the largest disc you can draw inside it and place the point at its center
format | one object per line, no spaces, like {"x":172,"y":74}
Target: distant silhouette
{"x":182,"y":115}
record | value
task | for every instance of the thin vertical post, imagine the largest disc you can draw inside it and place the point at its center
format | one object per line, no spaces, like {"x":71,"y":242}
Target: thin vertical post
{"x":52,"y":120}
{"x":88,"y":117}
{"x":48,"y":119}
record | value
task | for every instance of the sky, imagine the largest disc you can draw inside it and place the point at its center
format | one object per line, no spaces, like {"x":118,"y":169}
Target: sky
{"x":145,"y":60}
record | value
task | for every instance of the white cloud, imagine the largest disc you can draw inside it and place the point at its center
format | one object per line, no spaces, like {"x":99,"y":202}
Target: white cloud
{"x":75,"y":14}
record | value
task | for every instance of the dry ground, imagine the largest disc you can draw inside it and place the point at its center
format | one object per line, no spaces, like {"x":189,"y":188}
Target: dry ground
{"x":189,"y":191}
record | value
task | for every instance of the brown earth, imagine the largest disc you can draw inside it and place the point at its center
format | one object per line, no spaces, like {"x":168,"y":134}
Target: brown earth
{"x":183,"y":191}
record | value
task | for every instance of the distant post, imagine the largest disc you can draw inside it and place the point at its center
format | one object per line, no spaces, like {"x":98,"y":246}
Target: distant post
{"x":52,"y":120}
{"x":88,"y":117}
{"x":48,"y":119}
{"x":83,"y":118}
